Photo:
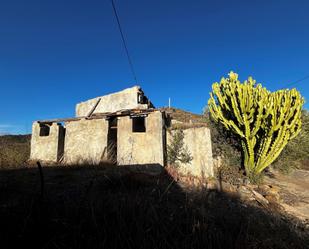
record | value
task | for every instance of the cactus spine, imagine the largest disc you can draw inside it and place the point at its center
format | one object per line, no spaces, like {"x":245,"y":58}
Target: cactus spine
{"x":264,"y":121}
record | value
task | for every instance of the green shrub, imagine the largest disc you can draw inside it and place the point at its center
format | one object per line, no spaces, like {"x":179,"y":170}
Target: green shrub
{"x":296,"y":153}
{"x":177,"y":152}
{"x":224,"y":144}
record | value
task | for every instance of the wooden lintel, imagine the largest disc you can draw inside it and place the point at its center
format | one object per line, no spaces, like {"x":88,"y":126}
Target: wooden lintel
{"x":58,"y":120}
{"x":106,"y":115}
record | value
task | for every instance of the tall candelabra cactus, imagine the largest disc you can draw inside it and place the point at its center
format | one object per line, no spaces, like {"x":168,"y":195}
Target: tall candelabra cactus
{"x":264,"y":121}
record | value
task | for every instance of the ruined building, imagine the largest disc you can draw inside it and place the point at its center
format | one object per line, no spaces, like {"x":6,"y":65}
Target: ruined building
{"x":123,"y":128}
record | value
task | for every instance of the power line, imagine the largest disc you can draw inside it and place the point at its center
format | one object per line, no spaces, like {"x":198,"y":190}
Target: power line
{"x":124,"y":42}
{"x":295,"y":82}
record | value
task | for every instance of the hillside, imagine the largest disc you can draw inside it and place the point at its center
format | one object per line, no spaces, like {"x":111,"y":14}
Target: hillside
{"x":113,"y":207}
{"x":183,"y":116}
{"x":83,"y":206}
{"x":14,"y":150}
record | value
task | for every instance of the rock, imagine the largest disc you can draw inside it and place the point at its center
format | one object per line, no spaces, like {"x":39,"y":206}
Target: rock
{"x":263,"y":189}
{"x":244,"y":193}
{"x":273,"y":190}
{"x":227,"y":187}
{"x":269,"y":192}
{"x":212,"y":184}
{"x":260,"y":198}
{"x":272,"y":198}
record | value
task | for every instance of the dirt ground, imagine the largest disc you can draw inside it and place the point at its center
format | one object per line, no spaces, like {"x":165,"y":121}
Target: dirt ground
{"x":294,"y":192}
{"x":113,"y":207}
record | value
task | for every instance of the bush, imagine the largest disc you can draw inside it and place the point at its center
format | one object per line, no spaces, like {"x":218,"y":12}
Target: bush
{"x":296,"y":153}
{"x":177,"y":152}
{"x":226,"y":147}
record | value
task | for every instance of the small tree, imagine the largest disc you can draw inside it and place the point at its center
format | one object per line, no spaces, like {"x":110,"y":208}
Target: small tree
{"x":264,"y":121}
{"x":177,"y":152}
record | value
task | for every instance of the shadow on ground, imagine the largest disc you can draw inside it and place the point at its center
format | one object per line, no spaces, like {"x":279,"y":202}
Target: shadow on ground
{"x":113,"y":207}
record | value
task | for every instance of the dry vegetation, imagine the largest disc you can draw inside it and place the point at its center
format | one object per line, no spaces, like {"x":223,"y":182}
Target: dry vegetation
{"x":184,"y":116}
{"x":108,"y":207}
{"x":14,"y":150}
{"x":114,"y":207}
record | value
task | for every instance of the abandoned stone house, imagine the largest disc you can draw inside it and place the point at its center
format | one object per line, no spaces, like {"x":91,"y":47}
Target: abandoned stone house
{"x":123,"y":128}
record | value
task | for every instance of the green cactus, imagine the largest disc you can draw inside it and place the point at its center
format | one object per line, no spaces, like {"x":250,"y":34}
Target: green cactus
{"x":264,"y":121}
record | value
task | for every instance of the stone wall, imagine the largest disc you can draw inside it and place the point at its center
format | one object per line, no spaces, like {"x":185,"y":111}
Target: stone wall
{"x":47,"y":147}
{"x":141,"y":148}
{"x":86,"y":141}
{"x":126,"y":99}
{"x":198,"y":142}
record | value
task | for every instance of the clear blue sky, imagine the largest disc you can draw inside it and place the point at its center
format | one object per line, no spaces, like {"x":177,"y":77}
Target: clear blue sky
{"x":56,"y":53}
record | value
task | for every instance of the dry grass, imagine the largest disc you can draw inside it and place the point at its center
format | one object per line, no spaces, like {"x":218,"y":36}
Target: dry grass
{"x":14,"y":150}
{"x":103,"y":206}
{"x":114,"y":207}
{"x":184,"y":116}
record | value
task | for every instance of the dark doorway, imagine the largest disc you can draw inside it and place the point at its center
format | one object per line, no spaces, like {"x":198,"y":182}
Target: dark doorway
{"x":112,"y":140}
{"x":61,"y":140}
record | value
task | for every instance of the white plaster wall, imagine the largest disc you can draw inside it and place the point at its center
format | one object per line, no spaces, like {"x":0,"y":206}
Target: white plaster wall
{"x":85,"y":141}
{"x":125,"y":99}
{"x":198,"y":142}
{"x":141,"y":148}
{"x":45,"y":148}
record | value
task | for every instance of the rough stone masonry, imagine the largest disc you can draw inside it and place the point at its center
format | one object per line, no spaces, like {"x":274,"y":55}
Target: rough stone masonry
{"x":123,"y":128}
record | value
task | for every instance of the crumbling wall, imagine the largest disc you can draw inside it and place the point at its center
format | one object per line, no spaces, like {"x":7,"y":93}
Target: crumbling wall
{"x":47,"y":145}
{"x":86,"y":141}
{"x":198,"y":142}
{"x":141,"y":148}
{"x":126,"y":99}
